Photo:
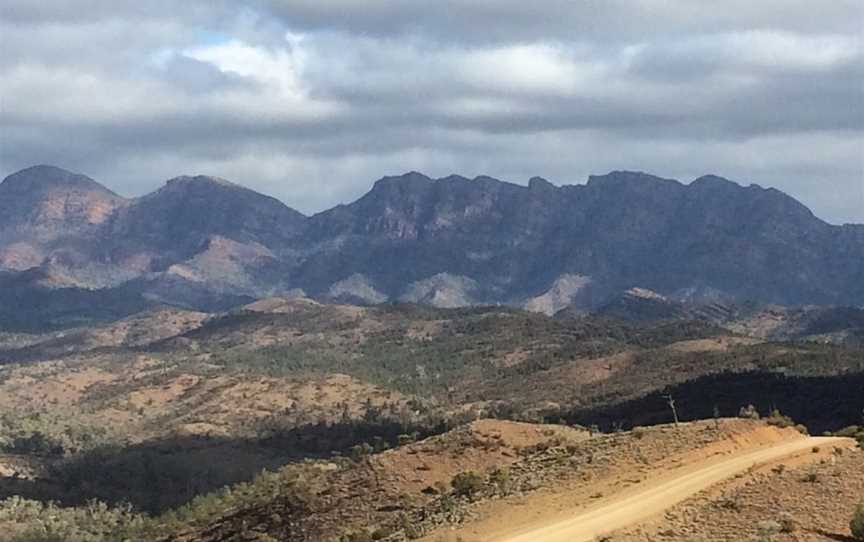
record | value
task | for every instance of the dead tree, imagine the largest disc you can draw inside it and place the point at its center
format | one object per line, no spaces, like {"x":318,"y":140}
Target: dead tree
{"x":671,"y":402}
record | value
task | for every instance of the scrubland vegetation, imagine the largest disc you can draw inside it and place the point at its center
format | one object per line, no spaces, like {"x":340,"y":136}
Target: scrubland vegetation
{"x":169,"y":435}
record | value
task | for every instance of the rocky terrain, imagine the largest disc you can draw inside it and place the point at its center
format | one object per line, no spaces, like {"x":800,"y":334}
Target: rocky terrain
{"x":203,"y":243}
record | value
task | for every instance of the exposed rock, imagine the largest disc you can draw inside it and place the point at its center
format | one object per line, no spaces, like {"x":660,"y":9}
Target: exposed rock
{"x":442,"y":290}
{"x":562,"y":294}
{"x":356,"y":289}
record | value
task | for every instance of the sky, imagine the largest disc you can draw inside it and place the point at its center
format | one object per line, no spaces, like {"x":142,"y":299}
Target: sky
{"x":311,"y":101}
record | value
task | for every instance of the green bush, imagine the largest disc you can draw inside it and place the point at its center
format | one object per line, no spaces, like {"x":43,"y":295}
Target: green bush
{"x":24,"y":520}
{"x":853,"y":431}
{"x":48,"y":434}
{"x":777,"y":419}
{"x":467,"y":484}
{"x":500,"y":479}
{"x":749,"y":412}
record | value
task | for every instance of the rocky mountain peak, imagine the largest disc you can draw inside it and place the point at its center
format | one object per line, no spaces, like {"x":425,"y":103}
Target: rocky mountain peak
{"x":539,"y":183}
{"x":408,"y":182}
{"x":188,"y":210}
{"x":185,"y":181}
{"x":714,"y":181}
{"x":626,"y":177}
{"x":46,"y":202}
{"x":43,"y":178}
{"x":202,"y":192}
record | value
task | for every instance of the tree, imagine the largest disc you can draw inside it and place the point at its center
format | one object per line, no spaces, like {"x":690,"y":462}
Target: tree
{"x":671,"y":402}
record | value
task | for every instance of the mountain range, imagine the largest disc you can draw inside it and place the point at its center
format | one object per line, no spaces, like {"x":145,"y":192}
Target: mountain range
{"x":71,"y":248}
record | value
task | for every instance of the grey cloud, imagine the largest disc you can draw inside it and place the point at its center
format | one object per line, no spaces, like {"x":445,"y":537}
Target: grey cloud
{"x":502,"y":88}
{"x":517,"y":20}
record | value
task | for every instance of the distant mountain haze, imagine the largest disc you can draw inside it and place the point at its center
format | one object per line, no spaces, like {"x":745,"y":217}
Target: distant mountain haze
{"x":201,"y":242}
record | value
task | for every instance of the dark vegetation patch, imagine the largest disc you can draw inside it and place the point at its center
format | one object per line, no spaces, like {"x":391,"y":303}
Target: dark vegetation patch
{"x":822,"y":403}
{"x":161,"y":474}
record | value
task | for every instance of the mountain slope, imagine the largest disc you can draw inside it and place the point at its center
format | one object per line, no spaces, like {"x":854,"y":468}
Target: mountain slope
{"x":46,"y":211}
{"x":174,"y":222}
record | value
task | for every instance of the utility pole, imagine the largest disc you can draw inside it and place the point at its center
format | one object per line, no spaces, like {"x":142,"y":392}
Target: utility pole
{"x":671,"y":402}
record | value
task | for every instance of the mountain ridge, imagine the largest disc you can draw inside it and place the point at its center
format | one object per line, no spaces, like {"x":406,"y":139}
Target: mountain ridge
{"x":449,"y":241}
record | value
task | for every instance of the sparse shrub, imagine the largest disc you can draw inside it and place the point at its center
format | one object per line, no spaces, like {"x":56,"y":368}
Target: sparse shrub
{"x":787,"y":524}
{"x":777,"y":419}
{"x":500,"y":479}
{"x":381,"y":533}
{"x":732,"y":505}
{"x":360,"y":451}
{"x":810,"y":478}
{"x":408,"y":527}
{"x":767,"y":528}
{"x":749,"y":412}
{"x":356,"y":536}
{"x":467,"y":484}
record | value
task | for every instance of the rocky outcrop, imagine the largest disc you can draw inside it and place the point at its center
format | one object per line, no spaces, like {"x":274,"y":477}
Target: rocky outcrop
{"x":443,"y":290}
{"x":563,"y":293}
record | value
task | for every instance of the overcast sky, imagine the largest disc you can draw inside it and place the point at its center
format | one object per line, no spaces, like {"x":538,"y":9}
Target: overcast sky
{"x":312,"y":100}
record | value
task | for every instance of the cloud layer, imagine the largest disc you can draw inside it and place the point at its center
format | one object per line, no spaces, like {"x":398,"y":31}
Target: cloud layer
{"x":311,"y":101}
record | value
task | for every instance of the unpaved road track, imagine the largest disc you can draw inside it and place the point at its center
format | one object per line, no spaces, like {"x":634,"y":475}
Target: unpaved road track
{"x":653,"y":499}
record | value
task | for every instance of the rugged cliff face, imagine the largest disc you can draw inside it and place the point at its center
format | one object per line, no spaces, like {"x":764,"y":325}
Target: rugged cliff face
{"x":447,"y":242}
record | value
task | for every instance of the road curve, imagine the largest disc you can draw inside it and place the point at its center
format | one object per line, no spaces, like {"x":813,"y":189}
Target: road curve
{"x":637,"y":507}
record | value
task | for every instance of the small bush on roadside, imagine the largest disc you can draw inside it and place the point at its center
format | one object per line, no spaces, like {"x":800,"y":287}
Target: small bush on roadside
{"x":777,"y":419}
{"x":749,"y":412}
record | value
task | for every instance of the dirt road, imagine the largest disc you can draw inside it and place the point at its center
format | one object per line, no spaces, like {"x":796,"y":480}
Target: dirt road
{"x":642,"y":504}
